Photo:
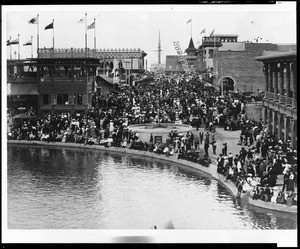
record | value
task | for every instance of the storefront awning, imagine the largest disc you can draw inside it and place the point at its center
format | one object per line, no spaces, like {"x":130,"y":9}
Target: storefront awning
{"x":22,"y":89}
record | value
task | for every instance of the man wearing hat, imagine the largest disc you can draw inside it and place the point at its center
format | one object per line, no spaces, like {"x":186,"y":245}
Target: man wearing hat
{"x":224,"y":149}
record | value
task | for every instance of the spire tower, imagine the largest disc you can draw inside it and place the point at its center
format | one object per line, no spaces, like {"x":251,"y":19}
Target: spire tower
{"x":159,"y":47}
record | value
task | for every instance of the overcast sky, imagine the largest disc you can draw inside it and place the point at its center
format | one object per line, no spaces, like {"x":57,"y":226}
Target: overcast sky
{"x":137,"y":26}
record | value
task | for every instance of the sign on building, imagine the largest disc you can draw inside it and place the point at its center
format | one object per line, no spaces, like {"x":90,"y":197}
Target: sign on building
{"x":182,"y":60}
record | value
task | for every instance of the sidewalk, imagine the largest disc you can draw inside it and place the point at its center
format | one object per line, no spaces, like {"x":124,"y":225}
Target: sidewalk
{"x":222,"y":136}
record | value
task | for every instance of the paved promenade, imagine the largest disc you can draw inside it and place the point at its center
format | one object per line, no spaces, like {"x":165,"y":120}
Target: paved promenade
{"x":222,"y":136}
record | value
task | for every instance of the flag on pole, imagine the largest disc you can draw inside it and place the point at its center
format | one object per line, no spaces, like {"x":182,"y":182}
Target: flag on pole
{"x":212,"y":32}
{"x":81,"y":20}
{"x":28,"y":43}
{"x":16,"y":41}
{"x":203,"y":31}
{"x":189,"y":21}
{"x":33,"y":20}
{"x":50,"y":26}
{"x":91,"y":26}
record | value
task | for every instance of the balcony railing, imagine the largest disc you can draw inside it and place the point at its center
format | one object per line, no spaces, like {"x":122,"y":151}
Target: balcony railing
{"x":289,"y":101}
{"x":20,"y":79}
{"x":294,"y":102}
{"x":282,"y":99}
{"x":65,"y":78}
{"x":79,"y":78}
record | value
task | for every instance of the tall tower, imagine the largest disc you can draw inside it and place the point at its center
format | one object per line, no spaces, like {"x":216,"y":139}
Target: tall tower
{"x":191,"y":56}
{"x":159,"y":47}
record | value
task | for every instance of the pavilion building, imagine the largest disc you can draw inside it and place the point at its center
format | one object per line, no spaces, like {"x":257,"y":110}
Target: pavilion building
{"x":65,"y":80}
{"x":280,"y":101}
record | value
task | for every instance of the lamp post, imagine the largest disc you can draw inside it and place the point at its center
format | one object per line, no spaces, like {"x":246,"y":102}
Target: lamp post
{"x":222,"y":83}
{"x":127,"y":69}
{"x":131,"y":58}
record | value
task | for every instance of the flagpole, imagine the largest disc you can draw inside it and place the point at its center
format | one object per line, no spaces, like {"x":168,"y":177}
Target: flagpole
{"x":10,"y":47}
{"x":19,"y":46}
{"x":31,"y":47}
{"x":95,"y":35}
{"x":53,"y":35}
{"x":191,"y":27}
{"x":38,"y":36}
{"x":85,"y":35}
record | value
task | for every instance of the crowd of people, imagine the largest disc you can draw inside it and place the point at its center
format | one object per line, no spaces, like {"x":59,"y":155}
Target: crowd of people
{"x":168,"y":99}
{"x":257,"y":169}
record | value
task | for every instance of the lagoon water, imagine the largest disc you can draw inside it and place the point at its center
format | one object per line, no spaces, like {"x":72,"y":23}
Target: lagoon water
{"x":63,"y":188}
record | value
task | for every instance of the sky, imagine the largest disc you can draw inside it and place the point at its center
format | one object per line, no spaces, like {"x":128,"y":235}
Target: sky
{"x":137,"y":26}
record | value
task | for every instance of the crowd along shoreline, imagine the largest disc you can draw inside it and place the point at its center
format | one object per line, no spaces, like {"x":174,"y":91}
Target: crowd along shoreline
{"x":211,"y":169}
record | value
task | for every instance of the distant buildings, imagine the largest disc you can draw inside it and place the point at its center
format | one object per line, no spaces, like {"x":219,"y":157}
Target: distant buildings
{"x":158,"y":68}
{"x":173,"y":65}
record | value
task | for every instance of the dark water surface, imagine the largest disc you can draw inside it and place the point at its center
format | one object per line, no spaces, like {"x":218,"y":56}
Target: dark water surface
{"x":88,"y":189}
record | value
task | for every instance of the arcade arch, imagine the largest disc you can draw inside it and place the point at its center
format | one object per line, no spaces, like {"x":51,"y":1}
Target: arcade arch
{"x":228,"y":84}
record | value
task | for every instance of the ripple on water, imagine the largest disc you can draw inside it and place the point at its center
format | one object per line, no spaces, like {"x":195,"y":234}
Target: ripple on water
{"x":69,"y":188}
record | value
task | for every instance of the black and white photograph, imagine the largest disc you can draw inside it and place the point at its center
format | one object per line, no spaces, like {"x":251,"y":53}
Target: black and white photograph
{"x":149,"y":123}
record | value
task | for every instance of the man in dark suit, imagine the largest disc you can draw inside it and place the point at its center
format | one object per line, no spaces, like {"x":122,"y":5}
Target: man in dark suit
{"x":201,"y":134}
{"x":206,"y":146}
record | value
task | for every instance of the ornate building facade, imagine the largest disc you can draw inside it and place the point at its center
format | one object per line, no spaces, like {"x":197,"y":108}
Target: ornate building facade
{"x":280,"y":101}
{"x":64,"y":80}
{"x":109,"y":59}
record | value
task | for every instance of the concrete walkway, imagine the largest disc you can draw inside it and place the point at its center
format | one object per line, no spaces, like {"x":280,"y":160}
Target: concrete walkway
{"x":222,"y":136}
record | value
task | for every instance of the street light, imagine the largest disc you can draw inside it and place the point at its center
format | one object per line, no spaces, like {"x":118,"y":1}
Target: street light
{"x":222,"y":80}
{"x":127,"y":69}
{"x":131,"y":57}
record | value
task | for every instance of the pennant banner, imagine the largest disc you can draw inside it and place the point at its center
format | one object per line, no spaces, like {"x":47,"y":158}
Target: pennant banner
{"x":16,"y":41}
{"x":50,"y":26}
{"x":189,"y":21}
{"x":28,"y":43}
{"x":33,"y":20}
{"x":91,"y":26}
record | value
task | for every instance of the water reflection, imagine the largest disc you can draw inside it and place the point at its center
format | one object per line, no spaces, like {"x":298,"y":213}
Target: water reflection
{"x":73,"y":188}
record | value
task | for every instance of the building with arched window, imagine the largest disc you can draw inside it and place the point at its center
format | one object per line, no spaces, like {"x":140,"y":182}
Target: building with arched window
{"x":232,"y":64}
